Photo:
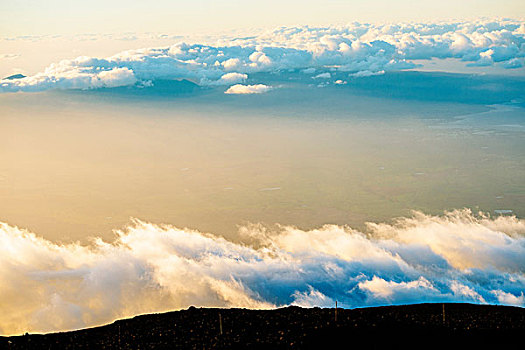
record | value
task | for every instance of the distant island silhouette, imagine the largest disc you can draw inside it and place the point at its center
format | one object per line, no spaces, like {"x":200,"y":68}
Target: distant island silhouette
{"x":15,"y":76}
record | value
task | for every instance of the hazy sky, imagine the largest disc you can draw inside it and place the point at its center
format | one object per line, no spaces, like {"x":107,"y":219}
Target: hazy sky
{"x":24,"y":17}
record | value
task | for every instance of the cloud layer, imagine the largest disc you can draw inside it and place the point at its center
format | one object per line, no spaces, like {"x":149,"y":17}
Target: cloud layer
{"x":149,"y":268}
{"x":355,"y":49}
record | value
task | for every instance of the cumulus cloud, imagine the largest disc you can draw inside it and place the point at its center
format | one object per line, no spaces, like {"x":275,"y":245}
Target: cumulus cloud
{"x":228,"y":79}
{"x":509,"y":298}
{"x":114,"y":78}
{"x":248,"y":89}
{"x":399,"y":291}
{"x":311,"y":298}
{"x":513,"y":63}
{"x":76,"y":78}
{"x":358,"y":49}
{"x":151,"y":268}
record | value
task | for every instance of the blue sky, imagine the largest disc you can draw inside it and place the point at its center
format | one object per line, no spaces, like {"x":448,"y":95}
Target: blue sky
{"x":32,"y":17}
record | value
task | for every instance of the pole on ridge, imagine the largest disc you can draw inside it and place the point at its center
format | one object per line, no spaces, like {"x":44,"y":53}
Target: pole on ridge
{"x":220,"y":323}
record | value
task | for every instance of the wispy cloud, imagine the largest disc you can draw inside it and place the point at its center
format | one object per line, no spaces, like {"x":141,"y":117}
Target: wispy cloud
{"x":9,"y":56}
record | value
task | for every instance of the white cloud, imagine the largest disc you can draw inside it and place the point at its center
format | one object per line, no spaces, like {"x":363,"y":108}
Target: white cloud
{"x":311,"y":298}
{"x":359,"y":49}
{"x":114,"y":78}
{"x":514,"y":63}
{"x":231,"y":64}
{"x":149,"y":268}
{"x":509,"y":298}
{"x":379,"y":288}
{"x":366,"y":73}
{"x":227,"y":79}
{"x":73,"y":79}
{"x":325,"y":75}
{"x":462,"y":290}
{"x":248,"y":89}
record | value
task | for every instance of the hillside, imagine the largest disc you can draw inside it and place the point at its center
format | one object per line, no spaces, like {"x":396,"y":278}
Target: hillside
{"x":412,"y":326}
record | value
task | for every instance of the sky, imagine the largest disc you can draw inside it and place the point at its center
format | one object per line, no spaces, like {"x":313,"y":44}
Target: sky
{"x":60,"y":17}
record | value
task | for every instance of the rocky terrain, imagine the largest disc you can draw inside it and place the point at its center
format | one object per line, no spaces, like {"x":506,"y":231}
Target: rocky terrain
{"x":421,"y":326}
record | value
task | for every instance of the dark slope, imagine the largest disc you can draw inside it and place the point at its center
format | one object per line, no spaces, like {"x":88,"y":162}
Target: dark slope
{"x":413,"y":326}
{"x":15,"y":76}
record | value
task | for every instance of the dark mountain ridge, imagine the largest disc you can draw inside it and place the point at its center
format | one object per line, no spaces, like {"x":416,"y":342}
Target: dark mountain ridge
{"x":15,"y":76}
{"x":410,"y":326}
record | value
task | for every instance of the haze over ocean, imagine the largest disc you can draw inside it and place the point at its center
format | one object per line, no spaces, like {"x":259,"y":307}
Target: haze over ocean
{"x":372,"y":163}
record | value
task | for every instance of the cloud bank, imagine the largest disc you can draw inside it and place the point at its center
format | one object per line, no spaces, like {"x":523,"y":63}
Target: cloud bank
{"x":355,"y":49}
{"x":148,"y":268}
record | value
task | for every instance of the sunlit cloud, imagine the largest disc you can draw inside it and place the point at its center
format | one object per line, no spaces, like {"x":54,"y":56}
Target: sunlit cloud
{"x":357,"y":50}
{"x":248,"y":89}
{"x":457,"y":257}
{"x":227,"y":79}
